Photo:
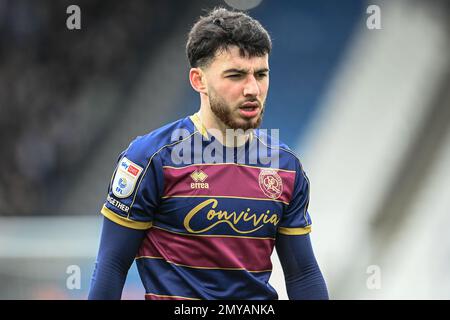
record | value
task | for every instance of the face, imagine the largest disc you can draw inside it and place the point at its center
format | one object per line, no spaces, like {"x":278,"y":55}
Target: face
{"x":237,"y":88}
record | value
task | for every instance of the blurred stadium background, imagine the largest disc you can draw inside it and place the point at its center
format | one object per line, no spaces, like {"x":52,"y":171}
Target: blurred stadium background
{"x":368,"y":111}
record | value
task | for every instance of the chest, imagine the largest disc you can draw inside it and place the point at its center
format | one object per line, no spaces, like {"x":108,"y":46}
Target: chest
{"x":224,"y":199}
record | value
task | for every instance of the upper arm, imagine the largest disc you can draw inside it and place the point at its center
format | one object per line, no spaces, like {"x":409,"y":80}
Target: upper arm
{"x":135,"y":188}
{"x":293,"y":243}
{"x":303,"y":277}
{"x":296,"y":219}
{"x":133,"y":196}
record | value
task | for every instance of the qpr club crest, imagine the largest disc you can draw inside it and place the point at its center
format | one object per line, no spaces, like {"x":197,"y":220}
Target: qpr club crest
{"x":270,"y":183}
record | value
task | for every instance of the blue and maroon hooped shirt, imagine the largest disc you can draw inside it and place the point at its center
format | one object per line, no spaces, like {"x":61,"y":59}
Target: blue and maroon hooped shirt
{"x":212,"y":213}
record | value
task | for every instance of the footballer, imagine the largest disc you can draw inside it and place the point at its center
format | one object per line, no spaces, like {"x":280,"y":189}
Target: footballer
{"x":201,"y":210}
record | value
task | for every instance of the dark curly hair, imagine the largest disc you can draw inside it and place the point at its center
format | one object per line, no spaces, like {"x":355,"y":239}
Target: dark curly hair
{"x":222,"y":28}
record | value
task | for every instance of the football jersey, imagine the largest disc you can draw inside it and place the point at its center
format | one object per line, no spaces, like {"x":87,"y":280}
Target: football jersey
{"x":211,"y":212}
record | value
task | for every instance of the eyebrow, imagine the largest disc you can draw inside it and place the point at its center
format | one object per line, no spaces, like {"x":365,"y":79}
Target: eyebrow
{"x":244,"y":71}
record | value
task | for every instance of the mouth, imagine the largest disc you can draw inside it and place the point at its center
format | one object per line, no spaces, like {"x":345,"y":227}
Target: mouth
{"x":249,"y":109}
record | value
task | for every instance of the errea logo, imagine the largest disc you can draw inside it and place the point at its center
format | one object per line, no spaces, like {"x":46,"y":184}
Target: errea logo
{"x":199,"y":177}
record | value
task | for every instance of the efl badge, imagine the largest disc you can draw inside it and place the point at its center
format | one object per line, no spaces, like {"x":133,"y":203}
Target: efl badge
{"x":126,"y":177}
{"x":270,"y":183}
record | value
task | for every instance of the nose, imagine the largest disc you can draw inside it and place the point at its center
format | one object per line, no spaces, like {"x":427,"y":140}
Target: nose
{"x":251,"y":87}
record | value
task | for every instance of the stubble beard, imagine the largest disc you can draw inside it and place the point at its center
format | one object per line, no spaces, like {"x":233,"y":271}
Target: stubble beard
{"x":225,"y":114}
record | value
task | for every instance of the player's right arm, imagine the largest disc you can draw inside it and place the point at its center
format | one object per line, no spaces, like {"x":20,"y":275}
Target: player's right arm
{"x":133,"y":196}
{"x":118,"y":247}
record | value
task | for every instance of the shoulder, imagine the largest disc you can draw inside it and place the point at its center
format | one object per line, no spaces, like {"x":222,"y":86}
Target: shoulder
{"x":144,"y":148}
{"x":270,"y":139}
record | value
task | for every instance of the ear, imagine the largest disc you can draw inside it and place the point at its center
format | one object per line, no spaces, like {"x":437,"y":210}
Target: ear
{"x":198,"y":80}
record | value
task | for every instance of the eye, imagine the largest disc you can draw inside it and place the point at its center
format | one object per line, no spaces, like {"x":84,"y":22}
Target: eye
{"x":261,"y":75}
{"x":235,"y":76}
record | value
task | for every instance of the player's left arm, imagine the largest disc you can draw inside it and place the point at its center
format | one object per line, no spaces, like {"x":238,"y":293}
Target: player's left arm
{"x":304,"y":280}
{"x":303,"y":277}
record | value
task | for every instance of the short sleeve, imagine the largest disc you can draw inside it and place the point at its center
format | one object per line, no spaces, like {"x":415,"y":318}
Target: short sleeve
{"x":296,"y":219}
{"x":135,"y":189}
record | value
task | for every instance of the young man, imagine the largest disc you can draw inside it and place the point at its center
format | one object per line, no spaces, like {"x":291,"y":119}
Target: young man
{"x":201,"y":209}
